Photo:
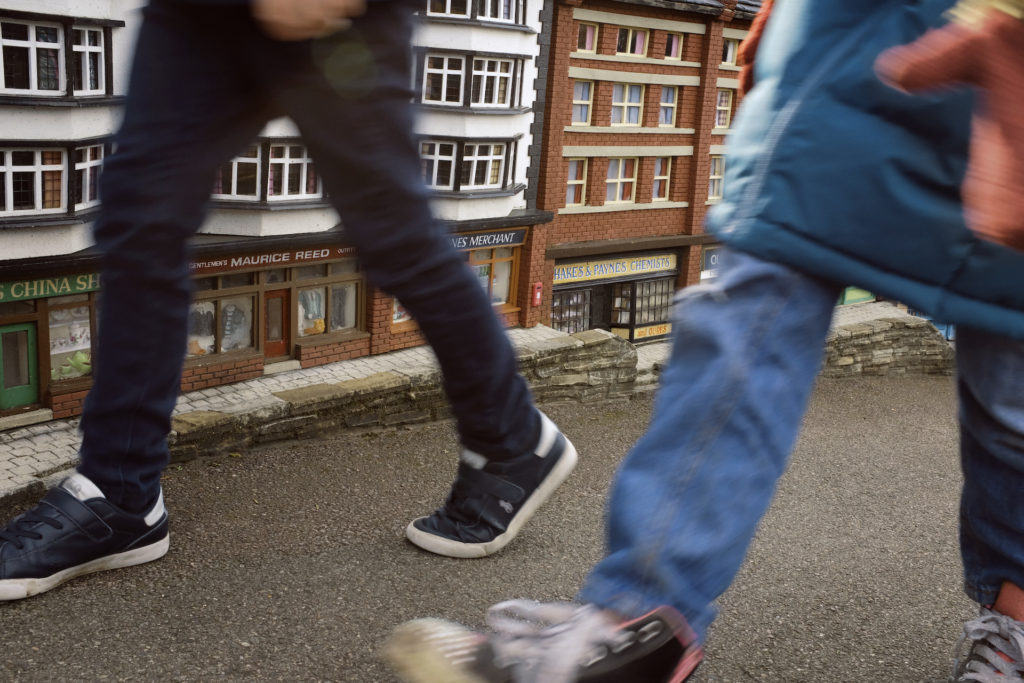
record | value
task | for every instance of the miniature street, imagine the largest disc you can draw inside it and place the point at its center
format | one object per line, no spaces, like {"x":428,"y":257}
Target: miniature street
{"x":288,"y":562}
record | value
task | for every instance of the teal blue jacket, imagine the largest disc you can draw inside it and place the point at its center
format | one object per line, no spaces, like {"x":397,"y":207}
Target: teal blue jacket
{"x":832,"y":172}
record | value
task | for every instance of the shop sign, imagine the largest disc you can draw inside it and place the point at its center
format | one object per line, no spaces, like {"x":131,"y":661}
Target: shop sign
{"x":489,"y":240}
{"x":51,"y":286}
{"x":629,"y":266}
{"x":281,"y":259}
{"x":652,"y":331}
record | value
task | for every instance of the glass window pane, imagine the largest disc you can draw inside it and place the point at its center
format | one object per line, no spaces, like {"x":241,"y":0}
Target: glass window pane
{"x":312,"y":303}
{"x":201,"y":319}
{"x":16,"y":353}
{"x":343,"y":306}
{"x":236,"y":323}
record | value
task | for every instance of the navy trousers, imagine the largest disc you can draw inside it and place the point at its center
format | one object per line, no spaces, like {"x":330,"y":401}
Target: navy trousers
{"x":204,"y":82}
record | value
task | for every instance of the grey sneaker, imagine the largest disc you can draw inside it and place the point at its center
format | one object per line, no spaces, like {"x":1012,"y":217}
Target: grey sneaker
{"x":547,"y":643}
{"x":996,"y":653}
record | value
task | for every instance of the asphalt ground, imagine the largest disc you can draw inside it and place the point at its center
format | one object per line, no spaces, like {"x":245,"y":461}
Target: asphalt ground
{"x":289,"y":563}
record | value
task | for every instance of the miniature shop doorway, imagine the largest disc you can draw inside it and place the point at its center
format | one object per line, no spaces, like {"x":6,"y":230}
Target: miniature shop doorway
{"x":276,"y":328}
{"x":19,"y":371}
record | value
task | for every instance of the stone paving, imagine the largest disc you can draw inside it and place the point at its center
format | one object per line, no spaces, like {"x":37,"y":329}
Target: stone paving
{"x":30,"y":454}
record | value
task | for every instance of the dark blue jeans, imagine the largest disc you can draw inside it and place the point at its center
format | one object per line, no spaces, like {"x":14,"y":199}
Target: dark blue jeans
{"x":204,"y":82}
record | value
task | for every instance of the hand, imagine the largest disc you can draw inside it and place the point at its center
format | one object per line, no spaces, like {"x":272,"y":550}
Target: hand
{"x":304,"y":19}
{"x":988,"y":55}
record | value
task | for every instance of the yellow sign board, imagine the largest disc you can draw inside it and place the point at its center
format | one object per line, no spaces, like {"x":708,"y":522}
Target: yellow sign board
{"x":605,"y":269}
{"x":652,"y":331}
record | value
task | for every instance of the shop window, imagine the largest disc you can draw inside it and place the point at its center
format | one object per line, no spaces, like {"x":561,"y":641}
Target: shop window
{"x":631,"y":41}
{"x":87,"y":68}
{"x":492,"y":82}
{"x":570,"y":311}
{"x":654,"y":300}
{"x":587,"y":39}
{"x":312,"y":311}
{"x":493,"y":268}
{"x":310,"y":272}
{"x":622,"y":303}
{"x":236,"y":323}
{"x":723,"y":108}
{"x":674,"y":46}
{"x":70,"y":337}
{"x":17,"y":307}
{"x":292,"y":174}
{"x":236,"y":280}
{"x":276,"y":275}
{"x":88,"y":163}
{"x":582,"y":99}
{"x":31,"y":57}
{"x":399,"y":314}
{"x":240,"y":177}
{"x":627,"y":104}
{"x":667,"y":107}
{"x":31,"y":181}
{"x":203,"y":284}
{"x":343,"y":307}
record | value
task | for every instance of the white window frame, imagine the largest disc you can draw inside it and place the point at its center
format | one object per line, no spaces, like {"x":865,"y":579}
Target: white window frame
{"x":87,"y":173}
{"x":8,"y":169}
{"x":680,"y":42}
{"x":445,"y":72}
{"x":435,"y":156}
{"x":625,"y":104}
{"x":616,"y":181}
{"x":284,"y":166}
{"x":33,"y":45}
{"x":447,"y":11}
{"x":499,"y":10}
{"x":85,"y":50}
{"x":579,"y":106}
{"x":668,"y":108}
{"x":497,"y":78}
{"x":723,"y":109}
{"x":664,"y":177}
{"x":632,"y":45}
{"x":581,"y":36}
{"x":716,"y":178}
{"x":730,"y":52}
{"x":493,"y":160}
{"x":572,"y":183}
{"x":232,"y":183}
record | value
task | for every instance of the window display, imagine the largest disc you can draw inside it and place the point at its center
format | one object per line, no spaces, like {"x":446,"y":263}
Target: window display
{"x":311,"y":312}
{"x":201,"y":339}
{"x":343,"y":307}
{"x":236,"y":324}
{"x":570,"y":311}
{"x":70,"y":339}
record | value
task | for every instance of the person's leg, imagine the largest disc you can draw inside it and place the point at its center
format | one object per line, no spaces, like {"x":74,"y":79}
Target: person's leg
{"x":190,"y":107}
{"x":990,"y":384}
{"x":746,"y":350}
{"x":353,"y":106}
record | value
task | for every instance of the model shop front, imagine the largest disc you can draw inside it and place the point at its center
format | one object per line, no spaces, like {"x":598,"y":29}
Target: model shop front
{"x":630,"y":295}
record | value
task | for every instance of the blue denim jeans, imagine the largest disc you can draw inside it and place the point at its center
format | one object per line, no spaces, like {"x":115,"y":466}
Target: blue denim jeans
{"x":746,"y":351}
{"x":204,"y":82}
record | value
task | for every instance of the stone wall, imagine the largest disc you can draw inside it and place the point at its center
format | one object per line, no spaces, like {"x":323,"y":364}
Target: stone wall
{"x":589,"y":366}
{"x":903,"y":345}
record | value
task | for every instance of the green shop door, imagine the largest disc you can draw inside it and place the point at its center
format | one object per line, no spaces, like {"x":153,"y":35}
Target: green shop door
{"x":19,"y":373}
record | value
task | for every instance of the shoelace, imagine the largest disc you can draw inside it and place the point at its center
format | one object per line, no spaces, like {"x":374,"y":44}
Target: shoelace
{"x":23,"y":527}
{"x":997,"y":651}
{"x":548,"y":642}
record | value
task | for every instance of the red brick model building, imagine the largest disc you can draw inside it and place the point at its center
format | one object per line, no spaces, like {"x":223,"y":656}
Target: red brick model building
{"x":639,"y":101}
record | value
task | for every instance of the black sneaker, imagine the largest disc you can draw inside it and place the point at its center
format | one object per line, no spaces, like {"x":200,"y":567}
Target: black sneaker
{"x":996,"y":649}
{"x":547,"y":643}
{"x":490,"y":501}
{"x":75,"y":531}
